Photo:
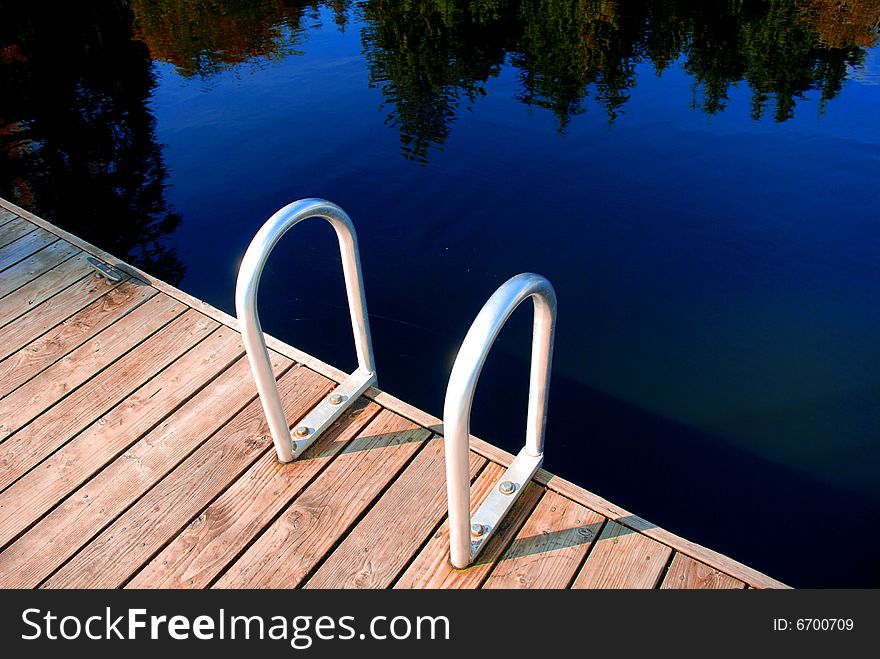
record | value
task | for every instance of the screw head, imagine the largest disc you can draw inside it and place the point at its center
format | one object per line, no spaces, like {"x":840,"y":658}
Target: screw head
{"x":335,"y":399}
{"x":507,"y":487}
{"x":477,"y":530}
{"x":301,"y":431}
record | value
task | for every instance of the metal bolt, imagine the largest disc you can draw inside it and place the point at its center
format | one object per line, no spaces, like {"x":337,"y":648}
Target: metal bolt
{"x":507,"y":487}
{"x":335,"y":399}
{"x":477,"y":530}
{"x":301,"y":431}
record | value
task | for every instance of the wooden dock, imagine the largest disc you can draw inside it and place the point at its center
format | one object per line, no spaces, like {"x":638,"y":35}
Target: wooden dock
{"x":134,"y":454}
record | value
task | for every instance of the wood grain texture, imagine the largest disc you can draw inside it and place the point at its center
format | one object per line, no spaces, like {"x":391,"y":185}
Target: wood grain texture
{"x":6,"y":216}
{"x":26,"y":270}
{"x":550,"y":547}
{"x":96,"y":503}
{"x":685,"y":572}
{"x":84,"y":362}
{"x":13,"y":230}
{"x":383,"y":543}
{"x":287,"y":552}
{"x":124,"y":547}
{"x":60,"y":423}
{"x":101,"y":440}
{"x":623,"y":558}
{"x":221,"y":532}
{"x":43,"y":352}
{"x":26,"y":246}
{"x":431,"y":567}
{"x":25,"y":298}
{"x":52,"y":311}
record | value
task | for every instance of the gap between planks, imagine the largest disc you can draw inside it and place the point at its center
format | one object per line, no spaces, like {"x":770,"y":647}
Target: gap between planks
{"x":111,"y":558}
{"x":117,"y":486}
{"x":67,"y":453}
{"x":24,"y":247}
{"x":224,"y":530}
{"x":59,"y":342}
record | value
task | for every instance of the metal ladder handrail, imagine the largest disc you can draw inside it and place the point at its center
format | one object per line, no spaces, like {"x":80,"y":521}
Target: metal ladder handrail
{"x":246,"y":289}
{"x":467,"y":536}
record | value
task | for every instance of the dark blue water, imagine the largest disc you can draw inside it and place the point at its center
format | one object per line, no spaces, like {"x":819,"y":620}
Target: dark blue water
{"x":700,"y":186}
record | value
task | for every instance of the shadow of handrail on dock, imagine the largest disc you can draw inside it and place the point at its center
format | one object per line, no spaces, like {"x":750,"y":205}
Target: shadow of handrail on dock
{"x":134,"y":276}
{"x":634,"y":524}
{"x":328,"y":447}
{"x":336,"y":442}
{"x":548,"y":541}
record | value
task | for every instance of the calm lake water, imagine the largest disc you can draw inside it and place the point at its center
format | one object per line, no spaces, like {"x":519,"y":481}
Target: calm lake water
{"x":699,"y":180}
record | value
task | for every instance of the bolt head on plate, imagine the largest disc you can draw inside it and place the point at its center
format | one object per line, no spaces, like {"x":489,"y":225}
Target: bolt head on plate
{"x":507,"y":487}
{"x":335,"y":399}
{"x":301,"y":431}
{"x":477,"y":530}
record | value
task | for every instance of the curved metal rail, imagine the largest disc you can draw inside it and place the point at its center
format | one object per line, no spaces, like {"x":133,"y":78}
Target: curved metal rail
{"x":291,"y":447}
{"x":467,"y":537}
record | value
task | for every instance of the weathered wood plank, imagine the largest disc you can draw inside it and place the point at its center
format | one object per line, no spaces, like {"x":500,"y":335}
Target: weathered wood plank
{"x":623,"y":558}
{"x":83,"y":363}
{"x":216,"y":537}
{"x":23,"y":299}
{"x":46,"y":350}
{"x":13,"y":230}
{"x":432,"y":569}
{"x":549,"y":548}
{"x":25,"y":271}
{"x":287,"y":552}
{"x":28,"y":245}
{"x":385,"y":540}
{"x":97,"y":502}
{"x":60,"y":423}
{"x":48,"y":314}
{"x":685,"y":572}
{"x":121,"y":550}
{"x":6,"y":216}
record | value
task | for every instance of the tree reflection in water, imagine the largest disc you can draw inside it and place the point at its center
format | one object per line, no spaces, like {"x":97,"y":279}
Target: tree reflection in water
{"x":78,"y":141}
{"x":427,"y":57}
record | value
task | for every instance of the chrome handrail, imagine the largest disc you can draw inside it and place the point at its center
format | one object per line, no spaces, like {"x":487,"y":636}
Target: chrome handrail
{"x":246,"y":290}
{"x":467,"y":537}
